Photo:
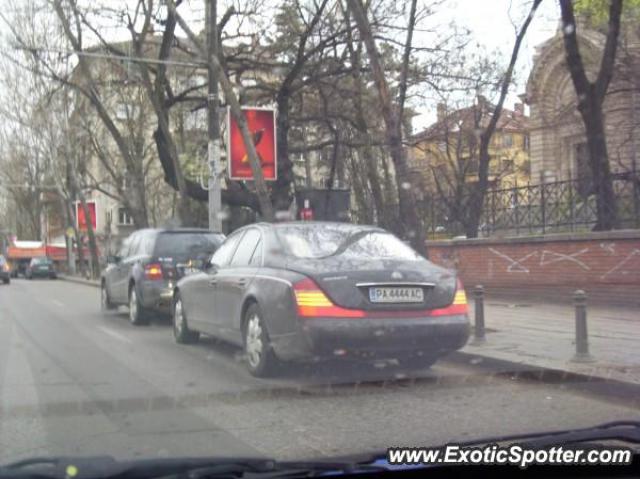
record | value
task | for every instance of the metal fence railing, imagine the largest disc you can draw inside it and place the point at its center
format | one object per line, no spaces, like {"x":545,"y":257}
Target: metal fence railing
{"x":561,"y":206}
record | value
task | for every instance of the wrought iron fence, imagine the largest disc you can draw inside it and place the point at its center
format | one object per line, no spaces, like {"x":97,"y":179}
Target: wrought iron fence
{"x":561,"y":206}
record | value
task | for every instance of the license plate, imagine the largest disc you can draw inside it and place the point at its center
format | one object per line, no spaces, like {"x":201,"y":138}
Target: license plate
{"x":396,"y":295}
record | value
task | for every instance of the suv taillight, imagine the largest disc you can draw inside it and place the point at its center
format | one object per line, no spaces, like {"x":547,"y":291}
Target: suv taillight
{"x":153,"y":271}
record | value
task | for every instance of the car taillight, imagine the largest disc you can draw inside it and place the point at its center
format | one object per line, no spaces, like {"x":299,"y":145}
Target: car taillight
{"x":153,"y":271}
{"x":458,"y":306}
{"x":312,"y":302}
{"x":461,"y":296}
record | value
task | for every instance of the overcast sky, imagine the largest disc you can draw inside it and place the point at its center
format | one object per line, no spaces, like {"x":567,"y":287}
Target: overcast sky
{"x":490,"y":22}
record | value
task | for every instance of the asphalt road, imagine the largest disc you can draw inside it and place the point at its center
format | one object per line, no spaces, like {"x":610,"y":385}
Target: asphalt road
{"x":75,"y":381}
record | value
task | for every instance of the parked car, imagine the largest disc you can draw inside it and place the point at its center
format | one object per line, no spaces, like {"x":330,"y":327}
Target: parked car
{"x":19,"y":267}
{"x":302,"y":290}
{"x":5,"y":270}
{"x":40,"y":267}
{"x":149,"y":263}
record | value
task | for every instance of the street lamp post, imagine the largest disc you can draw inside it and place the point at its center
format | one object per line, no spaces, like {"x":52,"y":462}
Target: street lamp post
{"x":213,"y":129}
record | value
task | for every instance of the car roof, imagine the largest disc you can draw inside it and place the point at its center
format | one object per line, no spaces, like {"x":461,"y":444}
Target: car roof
{"x":323,"y":224}
{"x":176,"y":230}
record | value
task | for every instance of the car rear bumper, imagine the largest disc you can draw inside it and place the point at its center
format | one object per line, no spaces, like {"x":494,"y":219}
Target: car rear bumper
{"x":43,"y":274}
{"x":157,"y":295}
{"x":330,"y":337}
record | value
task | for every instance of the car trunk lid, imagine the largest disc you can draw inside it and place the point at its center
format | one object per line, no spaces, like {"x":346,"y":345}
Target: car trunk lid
{"x":381,"y":284}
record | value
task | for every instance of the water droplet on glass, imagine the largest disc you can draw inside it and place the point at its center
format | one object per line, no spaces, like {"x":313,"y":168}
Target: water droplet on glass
{"x":406,"y":185}
{"x":411,"y":234}
{"x":223,"y":215}
{"x":569,"y":29}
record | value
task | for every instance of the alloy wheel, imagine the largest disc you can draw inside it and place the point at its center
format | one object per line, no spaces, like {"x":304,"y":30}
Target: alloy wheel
{"x":254,"y":344}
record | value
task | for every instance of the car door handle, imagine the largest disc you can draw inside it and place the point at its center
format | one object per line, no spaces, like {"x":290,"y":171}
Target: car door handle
{"x":213,"y":282}
{"x":241,"y":282}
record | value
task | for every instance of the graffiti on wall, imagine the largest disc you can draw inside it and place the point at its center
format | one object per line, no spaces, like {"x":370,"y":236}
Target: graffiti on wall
{"x":624,"y":267}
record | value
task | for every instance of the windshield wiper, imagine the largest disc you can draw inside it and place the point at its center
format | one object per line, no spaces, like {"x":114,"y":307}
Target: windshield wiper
{"x":193,"y":468}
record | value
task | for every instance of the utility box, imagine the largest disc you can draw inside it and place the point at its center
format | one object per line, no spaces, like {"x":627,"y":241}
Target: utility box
{"x":326,"y":205}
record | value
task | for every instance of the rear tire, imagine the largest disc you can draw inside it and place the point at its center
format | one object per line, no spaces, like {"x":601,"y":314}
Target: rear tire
{"x":105,"y":300}
{"x":138,"y":314}
{"x":261,"y":360}
{"x":6,"y":280}
{"x":181,"y":331}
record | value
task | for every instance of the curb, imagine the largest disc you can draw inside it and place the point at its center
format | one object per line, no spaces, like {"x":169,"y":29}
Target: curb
{"x":77,"y":280}
{"x":615,"y":390}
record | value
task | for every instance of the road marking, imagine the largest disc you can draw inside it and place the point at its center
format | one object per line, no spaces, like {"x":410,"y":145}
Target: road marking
{"x":115,"y":335}
{"x":59,"y":304}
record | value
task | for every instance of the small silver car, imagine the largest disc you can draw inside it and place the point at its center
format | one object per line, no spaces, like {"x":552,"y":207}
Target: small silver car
{"x":309,"y":290}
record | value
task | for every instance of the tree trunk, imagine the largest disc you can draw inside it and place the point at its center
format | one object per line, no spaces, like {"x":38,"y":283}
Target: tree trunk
{"x":281,"y":192}
{"x":601,"y":172}
{"x":591,"y":97}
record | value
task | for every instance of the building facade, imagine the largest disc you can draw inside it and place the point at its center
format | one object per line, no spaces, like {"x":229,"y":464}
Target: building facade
{"x":558,"y":141}
{"x":446,"y":153}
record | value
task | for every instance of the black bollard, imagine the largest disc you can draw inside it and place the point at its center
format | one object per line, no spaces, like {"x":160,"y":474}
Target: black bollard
{"x":582,"y":336}
{"x":479,"y":333}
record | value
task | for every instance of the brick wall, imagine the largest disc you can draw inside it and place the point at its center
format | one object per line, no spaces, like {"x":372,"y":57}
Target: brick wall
{"x":605,"y":264}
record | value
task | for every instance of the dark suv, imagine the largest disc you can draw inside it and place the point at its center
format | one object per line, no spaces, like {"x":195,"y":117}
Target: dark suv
{"x":42,"y":267}
{"x":149,"y":264}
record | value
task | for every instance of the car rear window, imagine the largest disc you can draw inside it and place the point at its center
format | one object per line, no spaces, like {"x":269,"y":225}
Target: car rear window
{"x":322,"y":242}
{"x":187,"y":244}
{"x":41,"y":261}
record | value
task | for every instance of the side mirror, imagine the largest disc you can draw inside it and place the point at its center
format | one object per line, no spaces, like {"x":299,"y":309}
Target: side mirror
{"x":113,"y":259}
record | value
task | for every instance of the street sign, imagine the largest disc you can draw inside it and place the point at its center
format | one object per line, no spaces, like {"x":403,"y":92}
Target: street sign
{"x":262,"y":126}
{"x":81,"y":221}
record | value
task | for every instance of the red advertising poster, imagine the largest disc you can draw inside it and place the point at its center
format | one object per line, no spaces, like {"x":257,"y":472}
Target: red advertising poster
{"x":81,"y":220}
{"x":262,"y":126}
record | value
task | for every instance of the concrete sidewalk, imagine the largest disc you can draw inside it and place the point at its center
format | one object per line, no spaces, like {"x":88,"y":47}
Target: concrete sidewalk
{"x":536,"y":333}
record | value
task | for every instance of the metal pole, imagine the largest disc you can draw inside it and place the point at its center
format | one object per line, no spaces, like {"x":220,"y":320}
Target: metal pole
{"x":582,"y":336}
{"x":479,"y":332}
{"x":213,"y":130}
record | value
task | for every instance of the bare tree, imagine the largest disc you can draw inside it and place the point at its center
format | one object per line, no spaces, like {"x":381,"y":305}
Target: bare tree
{"x":591,"y":96}
{"x":476,"y":199}
{"x":392,"y":113}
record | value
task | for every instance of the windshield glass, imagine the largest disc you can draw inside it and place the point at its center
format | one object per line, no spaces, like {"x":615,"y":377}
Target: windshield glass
{"x":186,"y":244}
{"x":310,"y":229}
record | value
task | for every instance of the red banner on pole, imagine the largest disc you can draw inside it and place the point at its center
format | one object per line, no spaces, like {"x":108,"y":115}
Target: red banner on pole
{"x":81,"y":221}
{"x":262,"y":126}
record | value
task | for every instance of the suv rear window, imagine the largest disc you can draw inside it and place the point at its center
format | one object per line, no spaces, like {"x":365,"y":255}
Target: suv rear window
{"x":41,"y":261}
{"x":187,"y":245}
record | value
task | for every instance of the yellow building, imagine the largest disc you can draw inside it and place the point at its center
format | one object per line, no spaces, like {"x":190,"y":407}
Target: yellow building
{"x":445,"y":155}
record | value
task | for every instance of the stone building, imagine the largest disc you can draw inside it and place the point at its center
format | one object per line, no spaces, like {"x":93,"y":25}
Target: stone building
{"x":558,"y":148}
